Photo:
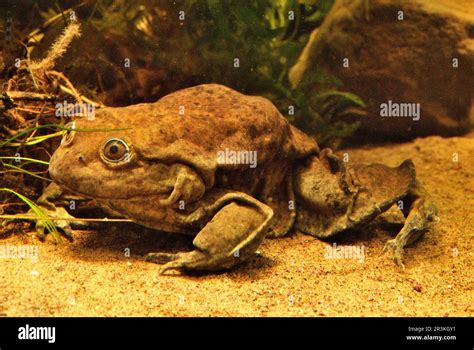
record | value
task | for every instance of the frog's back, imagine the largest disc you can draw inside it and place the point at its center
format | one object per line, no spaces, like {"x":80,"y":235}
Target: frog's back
{"x":197,"y":124}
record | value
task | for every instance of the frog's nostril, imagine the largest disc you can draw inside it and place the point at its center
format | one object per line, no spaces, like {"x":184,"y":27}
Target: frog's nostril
{"x":81,"y":159}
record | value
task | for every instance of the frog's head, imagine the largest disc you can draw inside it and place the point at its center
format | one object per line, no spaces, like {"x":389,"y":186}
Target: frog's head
{"x":104,"y":164}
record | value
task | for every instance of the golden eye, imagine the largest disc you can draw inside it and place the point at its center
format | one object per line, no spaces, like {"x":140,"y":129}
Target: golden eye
{"x":68,"y":134}
{"x":115,"y":150}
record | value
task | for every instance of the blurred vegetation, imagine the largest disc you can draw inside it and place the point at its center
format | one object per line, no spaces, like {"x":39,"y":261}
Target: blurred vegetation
{"x":265,"y":36}
{"x":138,"y":51}
{"x":170,"y":45}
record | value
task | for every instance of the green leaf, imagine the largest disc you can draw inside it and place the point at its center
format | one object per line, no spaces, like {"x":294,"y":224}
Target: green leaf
{"x":348,"y":96}
{"x":38,"y":212}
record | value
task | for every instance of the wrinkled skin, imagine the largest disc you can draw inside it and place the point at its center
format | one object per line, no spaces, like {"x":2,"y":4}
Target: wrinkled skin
{"x":160,"y":164}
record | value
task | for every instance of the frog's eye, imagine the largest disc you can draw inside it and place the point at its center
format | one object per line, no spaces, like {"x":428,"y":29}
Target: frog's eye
{"x":68,"y":135}
{"x":115,"y":150}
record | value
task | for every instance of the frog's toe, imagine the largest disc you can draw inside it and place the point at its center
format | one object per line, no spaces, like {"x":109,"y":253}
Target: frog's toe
{"x":397,"y":250}
{"x":194,"y":260}
{"x":169,"y":266}
{"x":67,"y":230}
{"x":40,"y":227}
{"x":63,"y":225}
{"x":398,"y":259}
{"x":389,"y":246}
{"x":160,"y":258}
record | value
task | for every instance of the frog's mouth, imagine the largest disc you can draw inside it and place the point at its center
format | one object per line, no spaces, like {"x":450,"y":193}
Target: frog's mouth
{"x":88,"y":182}
{"x":141,"y":196}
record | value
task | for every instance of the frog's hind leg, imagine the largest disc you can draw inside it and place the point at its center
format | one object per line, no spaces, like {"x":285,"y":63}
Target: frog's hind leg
{"x":324,"y":192}
{"x":336,"y":199}
{"x":232,"y":236}
{"x":420,"y":212}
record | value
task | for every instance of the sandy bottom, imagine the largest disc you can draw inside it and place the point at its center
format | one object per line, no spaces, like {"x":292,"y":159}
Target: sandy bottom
{"x":290,"y":277}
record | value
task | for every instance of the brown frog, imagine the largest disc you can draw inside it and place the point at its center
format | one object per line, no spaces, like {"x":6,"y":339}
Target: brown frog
{"x":230,"y":170}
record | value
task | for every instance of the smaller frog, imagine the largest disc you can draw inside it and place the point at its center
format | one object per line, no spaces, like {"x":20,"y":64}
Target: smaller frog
{"x":182,"y":164}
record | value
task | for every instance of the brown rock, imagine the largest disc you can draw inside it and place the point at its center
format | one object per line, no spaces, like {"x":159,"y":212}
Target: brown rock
{"x":405,"y":61}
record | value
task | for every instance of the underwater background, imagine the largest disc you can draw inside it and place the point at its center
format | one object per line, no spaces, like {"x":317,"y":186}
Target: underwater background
{"x":376,"y":80}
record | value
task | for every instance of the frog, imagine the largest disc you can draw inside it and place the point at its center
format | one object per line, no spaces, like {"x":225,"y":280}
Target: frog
{"x":229,"y":170}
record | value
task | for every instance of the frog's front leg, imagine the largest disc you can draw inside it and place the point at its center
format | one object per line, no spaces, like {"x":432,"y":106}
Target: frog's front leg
{"x":229,"y":238}
{"x":188,"y":186}
{"x":46,"y":204}
{"x":420,"y":214}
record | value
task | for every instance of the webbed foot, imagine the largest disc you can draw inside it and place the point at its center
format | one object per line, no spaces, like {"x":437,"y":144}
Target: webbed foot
{"x":50,"y":210}
{"x":63,"y":225}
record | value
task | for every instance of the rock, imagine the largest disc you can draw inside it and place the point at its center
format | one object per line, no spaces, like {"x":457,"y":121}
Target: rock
{"x":409,"y":59}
